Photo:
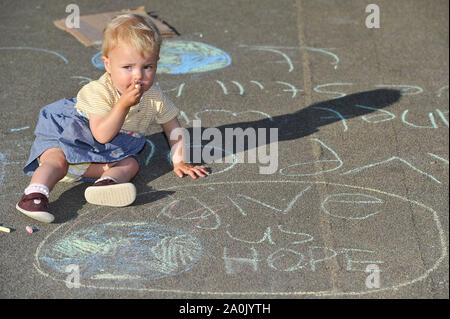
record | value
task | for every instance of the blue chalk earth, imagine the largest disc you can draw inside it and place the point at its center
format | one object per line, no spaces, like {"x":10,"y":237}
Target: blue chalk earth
{"x":124,"y":251}
{"x":182,"y":57}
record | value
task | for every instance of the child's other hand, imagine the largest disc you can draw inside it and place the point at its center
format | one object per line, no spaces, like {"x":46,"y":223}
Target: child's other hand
{"x":132,"y":94}
{"x":183,"y":168}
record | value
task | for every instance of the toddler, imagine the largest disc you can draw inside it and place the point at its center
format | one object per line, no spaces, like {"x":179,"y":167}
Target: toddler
{"x":98,"y":135}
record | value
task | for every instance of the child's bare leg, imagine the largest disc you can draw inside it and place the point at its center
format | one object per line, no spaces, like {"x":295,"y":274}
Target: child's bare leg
{"x":34,"y":202}
{"x":52,"y":169}
{"x":122,"y":171}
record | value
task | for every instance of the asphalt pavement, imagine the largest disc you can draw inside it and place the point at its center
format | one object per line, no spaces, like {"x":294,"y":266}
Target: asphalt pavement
{"x":346,"y":196}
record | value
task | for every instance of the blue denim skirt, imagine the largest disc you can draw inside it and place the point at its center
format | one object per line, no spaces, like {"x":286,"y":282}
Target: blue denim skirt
{"x":61,"y":125}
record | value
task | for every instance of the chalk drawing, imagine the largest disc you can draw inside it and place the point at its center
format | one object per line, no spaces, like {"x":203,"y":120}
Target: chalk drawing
{"x":232,"y":113}
{"x":273,"y":50}
{"x":37,"y":49}
{"x":152,"y":151}
{"x":442,"y":116}
{"x":350,"y":262}
{"x":239,"y":85}
{"x":312,"y":255}
{"x":438,"y":157}
{"x":439,"y":93}
{"x":393,"y":158}
{"x":120,"y":253}
{"x":148,"y":251}
{"x":407,"y":88}
{"x":339,"y":115}
{"x":384,"y":113}
{"x":381,"y":115}
{"x":336,"y":159}
{"x":19,"y":129}
{"x":180,"y":89}
{"x":169,"y":211}
{"x":97,"y":61}
{"x":324,"y":51}
{"x":346,"y":198}
{"x":283,"y":211}
{"x":224,"y":88}
{"x":230,"y":262}
{"x":183,"y":57}
{"x":287,"y":59}
{"x":185,"y":117}
{"x":265,"y":237}
{"x":309,"y":237}
{"x":292,"y":89}
{"x":84,"y":79}
{"x":202,"y":214}
{"x":430,"y":115}
{"x":340,"y":94}
{"x":2,"y":171}
{"x":258,"y":84}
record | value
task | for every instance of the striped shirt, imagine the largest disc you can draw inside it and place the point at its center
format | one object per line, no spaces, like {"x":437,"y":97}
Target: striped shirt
{"x":99,"y":97}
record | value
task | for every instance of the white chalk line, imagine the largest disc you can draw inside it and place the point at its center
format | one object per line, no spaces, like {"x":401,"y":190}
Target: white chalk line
{"x":37,"y":49}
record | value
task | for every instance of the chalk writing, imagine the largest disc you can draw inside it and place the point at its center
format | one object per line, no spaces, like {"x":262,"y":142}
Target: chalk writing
{"x":391,"y":159}
{"x":84,"y":79}
{"x":325,"y":51}
{"x":404,"y":89}
{"x":114,"y":254}
{"x":346,"y":198}
{"x":274,"y":50}
{"x":336,"y":159}
{"x":439,"y":93}
{"x":279,"y":51}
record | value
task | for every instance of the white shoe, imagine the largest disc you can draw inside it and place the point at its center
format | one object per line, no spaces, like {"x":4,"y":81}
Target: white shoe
{"x":109,"y":193}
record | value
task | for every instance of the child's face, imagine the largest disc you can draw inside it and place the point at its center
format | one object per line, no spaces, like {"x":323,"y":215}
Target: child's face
{"x":127,"y":67}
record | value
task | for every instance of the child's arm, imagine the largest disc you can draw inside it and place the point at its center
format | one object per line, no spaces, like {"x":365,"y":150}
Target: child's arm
{"x":104,"y":129}
{"x":178,"y":150}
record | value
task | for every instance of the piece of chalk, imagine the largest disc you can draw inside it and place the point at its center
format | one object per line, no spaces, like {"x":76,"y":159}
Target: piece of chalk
{"x":31,"y":229}
{"x":4,"y":229}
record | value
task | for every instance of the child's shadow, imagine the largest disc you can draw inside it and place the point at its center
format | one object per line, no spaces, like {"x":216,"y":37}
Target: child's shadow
{"x":68,"y":205}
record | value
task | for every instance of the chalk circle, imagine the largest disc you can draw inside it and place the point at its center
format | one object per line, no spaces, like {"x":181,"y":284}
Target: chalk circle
{"x":124,"y":250}
{"x":133,"y":250}
{"x":182,"y":57}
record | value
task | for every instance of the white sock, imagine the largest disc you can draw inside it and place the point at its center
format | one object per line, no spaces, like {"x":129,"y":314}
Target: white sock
{"x":104,"y":178}
{"x":37,"y":188}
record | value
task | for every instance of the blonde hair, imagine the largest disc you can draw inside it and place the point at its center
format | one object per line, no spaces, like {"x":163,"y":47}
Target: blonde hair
{"x":134,"y":29}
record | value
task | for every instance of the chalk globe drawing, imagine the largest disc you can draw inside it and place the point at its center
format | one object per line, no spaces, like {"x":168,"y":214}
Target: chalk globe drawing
{"x":124,"y":251}
{"x":182,"y":57}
